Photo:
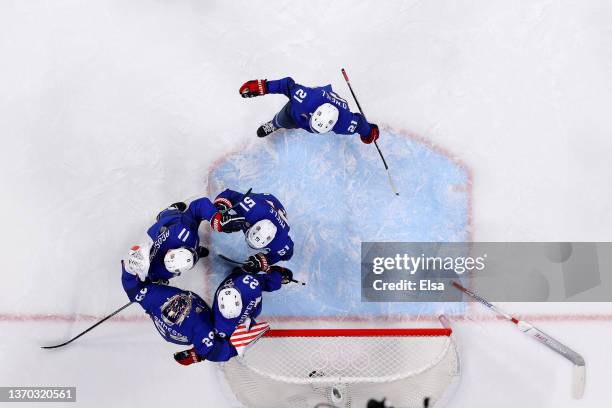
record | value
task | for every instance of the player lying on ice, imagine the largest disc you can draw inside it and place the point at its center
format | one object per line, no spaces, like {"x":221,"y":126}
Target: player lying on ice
{"x":316,"y":110}
{"x":183,"y":317}
{"x":263,"y":219}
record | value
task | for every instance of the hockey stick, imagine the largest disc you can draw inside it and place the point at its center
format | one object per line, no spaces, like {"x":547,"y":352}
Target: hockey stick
{"x":230,"y":260}
{"x":124,"y":306}
{"x":88,"y":330}
{"x":393,"y":187}
{"x":579,"y":372}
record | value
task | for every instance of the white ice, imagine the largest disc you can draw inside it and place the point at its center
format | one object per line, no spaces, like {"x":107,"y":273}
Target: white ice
{"x":111,"y":109}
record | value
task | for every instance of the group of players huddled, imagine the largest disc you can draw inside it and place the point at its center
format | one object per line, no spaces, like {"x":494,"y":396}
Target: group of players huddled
{"x":172,"y":245}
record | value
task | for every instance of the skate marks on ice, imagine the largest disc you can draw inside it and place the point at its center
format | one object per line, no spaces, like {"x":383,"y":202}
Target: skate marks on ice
{"x":336,"y":194}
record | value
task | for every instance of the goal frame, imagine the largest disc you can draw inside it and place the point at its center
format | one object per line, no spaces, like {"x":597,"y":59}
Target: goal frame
{"x":338,"y":388}
{"x":390,"y":332}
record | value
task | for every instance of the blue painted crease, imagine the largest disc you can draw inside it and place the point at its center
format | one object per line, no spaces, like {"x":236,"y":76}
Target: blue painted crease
{"x":337,"y":195}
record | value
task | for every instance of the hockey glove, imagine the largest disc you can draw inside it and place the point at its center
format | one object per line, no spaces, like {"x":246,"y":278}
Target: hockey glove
{"x":138,"y":260}
{"x":223,"y":204}
{"x":181,"y":206}
{"x":286,"y":274}
{"x":202,"y":252}
{"x":256,"y":87}
{"x":373,"y":136}
{"x":256,"y":263}
{"x":381,"y":404}
{"x":187,"y":357}
{"x":224,"y":222}
{"x":164,"y":282}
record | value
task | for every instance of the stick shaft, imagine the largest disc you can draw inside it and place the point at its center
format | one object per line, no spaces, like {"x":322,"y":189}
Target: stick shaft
{"x":529,"y":329}
{"x":225,"y":258}
{"x":127,"y":304}
{"x":551,"y":342}
{"x":579,"y":376}
{"x":90,"y":328}
{"x":348,"y":82}
{"x":485,"y":302}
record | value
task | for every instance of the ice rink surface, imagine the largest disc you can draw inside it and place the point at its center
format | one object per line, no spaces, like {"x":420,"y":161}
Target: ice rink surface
{"x":317,"y":175}
{"x":111,"y":110}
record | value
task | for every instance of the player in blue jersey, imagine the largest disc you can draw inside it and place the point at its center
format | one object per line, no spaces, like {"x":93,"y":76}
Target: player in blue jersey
{"x":181,"y":317}
{"x":316,"y":110}
{"x":263,"y":219}
{"x":238,"y":298}
{"x":172,"y":245}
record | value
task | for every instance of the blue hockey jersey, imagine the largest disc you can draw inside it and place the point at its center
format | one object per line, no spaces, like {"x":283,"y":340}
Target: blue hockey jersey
{"x":257,"y":207}
{"x":304,"y":101}
{"x":250,"y":287}
{"x":176,"y":229}
{"x":181,"y":317}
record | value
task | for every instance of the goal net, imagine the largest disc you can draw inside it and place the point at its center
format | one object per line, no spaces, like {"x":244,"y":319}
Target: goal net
{"x":310,"y":368}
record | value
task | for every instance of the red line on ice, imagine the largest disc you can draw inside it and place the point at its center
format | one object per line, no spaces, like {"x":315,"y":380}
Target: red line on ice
{"x":70,"y":318}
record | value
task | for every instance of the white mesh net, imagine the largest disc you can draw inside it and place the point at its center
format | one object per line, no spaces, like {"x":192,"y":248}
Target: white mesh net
{"x":338,"y":371}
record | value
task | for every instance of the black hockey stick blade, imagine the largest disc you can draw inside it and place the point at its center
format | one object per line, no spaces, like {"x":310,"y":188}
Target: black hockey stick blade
{"x":88,"y":330}
{"x":297,"y":281}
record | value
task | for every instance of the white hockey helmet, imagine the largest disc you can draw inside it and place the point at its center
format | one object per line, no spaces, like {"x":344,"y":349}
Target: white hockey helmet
{"x":229,"y":301}
{"x":179,"y":260}
{"x":324,"y":118}
{"x":260,"y":234}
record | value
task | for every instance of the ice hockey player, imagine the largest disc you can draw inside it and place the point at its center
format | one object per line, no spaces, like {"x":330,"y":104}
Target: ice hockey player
{"x":316,"y":110}
{"x":172,"y":244}
{"x":181,"y":317}
{"x":238,"y":298}
{"x":263,"y":220}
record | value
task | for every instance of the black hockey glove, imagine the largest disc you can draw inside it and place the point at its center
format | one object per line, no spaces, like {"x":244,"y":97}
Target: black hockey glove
{"x":256,"y":263}
{"x":286,"y":274}
{"x":202,"y":252}
{"x":225,"y":222}
{"x":379,"y":404}
{"x":181,"y":206}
